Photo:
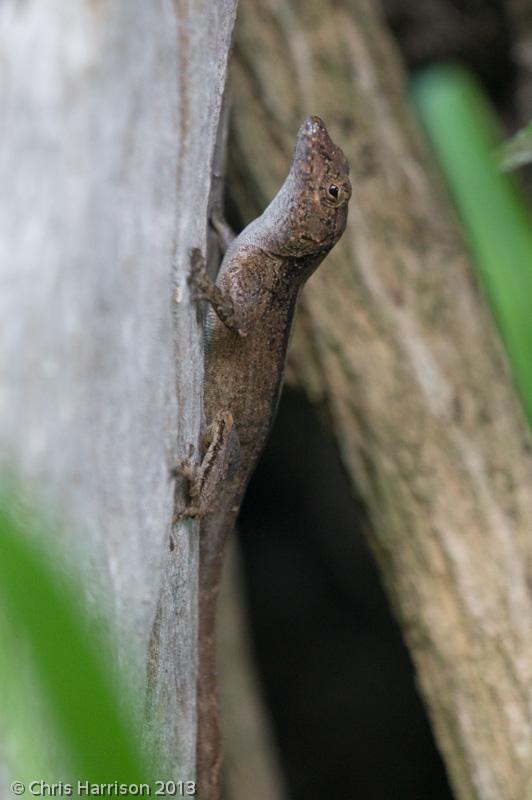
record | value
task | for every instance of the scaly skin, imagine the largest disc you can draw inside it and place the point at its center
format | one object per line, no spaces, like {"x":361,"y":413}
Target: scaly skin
{"x":247,"y":331}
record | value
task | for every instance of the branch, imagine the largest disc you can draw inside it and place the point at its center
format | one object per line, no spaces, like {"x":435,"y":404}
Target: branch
{"x":395,"y":340}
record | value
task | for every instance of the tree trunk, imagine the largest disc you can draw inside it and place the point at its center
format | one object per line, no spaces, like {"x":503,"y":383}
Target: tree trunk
{"x":110,"y":118}
{"x":395,"y":341}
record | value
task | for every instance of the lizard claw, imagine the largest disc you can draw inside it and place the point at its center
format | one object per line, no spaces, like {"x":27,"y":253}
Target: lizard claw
{"x":190,"y":512}
{"x":185,"y":467}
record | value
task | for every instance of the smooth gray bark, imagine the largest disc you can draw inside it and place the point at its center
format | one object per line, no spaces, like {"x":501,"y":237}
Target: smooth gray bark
{"x":110,"y":115}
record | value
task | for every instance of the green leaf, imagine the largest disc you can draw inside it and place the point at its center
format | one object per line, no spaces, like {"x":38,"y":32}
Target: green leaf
{"x":496,"y":218}
{"x":41,"y":616}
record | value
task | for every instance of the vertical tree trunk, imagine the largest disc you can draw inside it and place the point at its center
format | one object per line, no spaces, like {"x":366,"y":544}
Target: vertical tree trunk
{"x":395,"y":341}
{"x":110,"y":116}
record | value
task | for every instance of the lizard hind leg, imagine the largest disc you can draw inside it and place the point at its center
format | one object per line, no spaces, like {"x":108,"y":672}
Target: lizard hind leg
{"x":208,"y":480}
{"x":190,"y":471}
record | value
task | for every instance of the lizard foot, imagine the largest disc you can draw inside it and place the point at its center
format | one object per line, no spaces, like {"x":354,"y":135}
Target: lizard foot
{"x":186,"y":467}
{"x":190,"y":512}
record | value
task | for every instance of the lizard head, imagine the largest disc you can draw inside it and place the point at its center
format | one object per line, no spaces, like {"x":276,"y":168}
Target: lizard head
{"x":316,"y":193}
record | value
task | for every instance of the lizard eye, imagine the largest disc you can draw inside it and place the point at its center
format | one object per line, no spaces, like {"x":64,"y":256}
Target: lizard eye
{"x":333,"y":194}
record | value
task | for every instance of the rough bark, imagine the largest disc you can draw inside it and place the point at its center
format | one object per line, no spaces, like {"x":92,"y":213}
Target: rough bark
{"x":395,"y":341}
{"x":110,"y":117}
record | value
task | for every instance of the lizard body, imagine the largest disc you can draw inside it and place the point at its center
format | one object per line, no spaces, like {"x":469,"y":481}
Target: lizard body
{"x":247,"y":330}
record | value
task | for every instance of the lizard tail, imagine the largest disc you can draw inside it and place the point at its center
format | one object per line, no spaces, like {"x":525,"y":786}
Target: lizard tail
{"x":209,"y":752}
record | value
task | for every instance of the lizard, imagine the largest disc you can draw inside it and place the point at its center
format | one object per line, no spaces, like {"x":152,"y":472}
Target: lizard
{"x":247,"y":328}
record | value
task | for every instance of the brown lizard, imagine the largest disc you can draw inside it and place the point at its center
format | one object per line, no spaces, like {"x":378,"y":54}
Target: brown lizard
{"x":247,"y":329}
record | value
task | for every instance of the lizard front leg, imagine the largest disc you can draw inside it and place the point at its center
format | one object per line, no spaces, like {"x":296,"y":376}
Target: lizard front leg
{"x":223,"y":230}
{"x":204,"y":288}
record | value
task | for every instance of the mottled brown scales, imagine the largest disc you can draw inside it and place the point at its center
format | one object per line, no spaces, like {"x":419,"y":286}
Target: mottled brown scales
{"x":247,"y":330}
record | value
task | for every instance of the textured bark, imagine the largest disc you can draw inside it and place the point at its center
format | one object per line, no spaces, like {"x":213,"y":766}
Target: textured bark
{"x":110,"y":117}
{"x":394,"y":339}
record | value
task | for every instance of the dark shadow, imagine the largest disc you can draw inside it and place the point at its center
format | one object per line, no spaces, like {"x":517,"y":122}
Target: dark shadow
{"x":337,"y":677}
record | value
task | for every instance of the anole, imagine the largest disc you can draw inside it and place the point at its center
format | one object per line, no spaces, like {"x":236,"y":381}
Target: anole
{"x":251,"y":306}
